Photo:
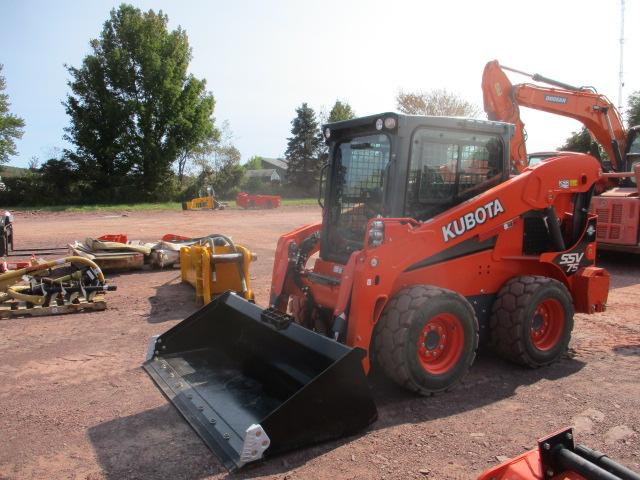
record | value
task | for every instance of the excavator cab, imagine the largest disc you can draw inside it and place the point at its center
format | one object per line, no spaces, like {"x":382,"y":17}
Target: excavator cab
{"x":393,"y":165}
{"x":633,"y":150}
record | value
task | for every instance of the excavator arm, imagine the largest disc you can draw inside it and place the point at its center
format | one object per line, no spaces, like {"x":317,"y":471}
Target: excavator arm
{"x":502,"y":100}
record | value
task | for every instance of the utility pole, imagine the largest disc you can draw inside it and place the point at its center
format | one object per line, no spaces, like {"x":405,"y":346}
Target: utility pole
{"x":621,"y":84}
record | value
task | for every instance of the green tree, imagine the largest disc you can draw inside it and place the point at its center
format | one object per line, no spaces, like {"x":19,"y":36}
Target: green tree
{"x":59,"y":179}
{"x":582,"y":142}
{"x":254,"y":163}
{"x":340,"y":111}
{"x":438,"y":102}
{"x":303,"y":149}
{"x":11,"y":126}
{"x":633,"y":112}
{"x":134,"y":108}
{"x":219,"y":164}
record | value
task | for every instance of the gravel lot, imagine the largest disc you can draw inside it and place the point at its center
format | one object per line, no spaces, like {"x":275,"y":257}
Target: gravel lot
{"x":74,"y":402}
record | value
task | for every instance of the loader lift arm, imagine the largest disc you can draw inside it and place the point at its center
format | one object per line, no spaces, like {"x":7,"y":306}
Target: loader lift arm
{"x":502,"y":100}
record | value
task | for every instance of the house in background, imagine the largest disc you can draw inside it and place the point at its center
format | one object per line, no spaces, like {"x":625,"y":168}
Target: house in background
{"x":265,"y":174}
{"x":277,"y":164}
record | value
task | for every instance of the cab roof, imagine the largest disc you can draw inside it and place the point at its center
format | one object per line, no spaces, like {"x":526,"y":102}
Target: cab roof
{"x":410,"y":122}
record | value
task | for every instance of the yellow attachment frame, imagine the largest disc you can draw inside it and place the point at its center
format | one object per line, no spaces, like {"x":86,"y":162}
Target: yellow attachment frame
{"x":201,"y":203}
{"x":212,"y":273}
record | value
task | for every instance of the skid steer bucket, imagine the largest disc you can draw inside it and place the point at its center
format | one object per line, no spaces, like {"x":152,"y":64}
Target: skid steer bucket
{"x":250,"y":384}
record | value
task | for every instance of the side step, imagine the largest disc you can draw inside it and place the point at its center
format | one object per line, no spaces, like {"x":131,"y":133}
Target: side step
{"x":251,"y":388}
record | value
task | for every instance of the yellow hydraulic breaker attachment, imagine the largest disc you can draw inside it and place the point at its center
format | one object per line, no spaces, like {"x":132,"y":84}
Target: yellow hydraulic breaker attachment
{"x":203,"y":203}
{"x":216,"y":266}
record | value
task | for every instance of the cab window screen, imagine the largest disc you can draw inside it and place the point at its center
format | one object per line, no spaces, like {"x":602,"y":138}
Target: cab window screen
{"x":447,"y":167}
{"x":359,"y":165}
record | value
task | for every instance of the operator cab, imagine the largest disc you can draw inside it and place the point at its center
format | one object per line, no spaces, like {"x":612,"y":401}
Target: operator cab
{"x":633,"y":150}
{"x":394,"y":165}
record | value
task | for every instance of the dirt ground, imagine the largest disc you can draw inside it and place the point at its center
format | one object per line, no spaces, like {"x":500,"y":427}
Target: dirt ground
{"x":75,"y":403}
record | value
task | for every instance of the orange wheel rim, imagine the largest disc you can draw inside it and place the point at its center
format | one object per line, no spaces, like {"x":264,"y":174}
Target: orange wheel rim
{"x":440,"y":343}
{"x":547,"y":324}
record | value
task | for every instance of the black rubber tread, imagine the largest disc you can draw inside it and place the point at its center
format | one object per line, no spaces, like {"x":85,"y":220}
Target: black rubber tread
{"x":392,"y":339}
{"x":511,"y":316}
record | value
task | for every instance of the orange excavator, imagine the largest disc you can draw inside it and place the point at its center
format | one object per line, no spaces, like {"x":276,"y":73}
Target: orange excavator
{"x":616,"y":203}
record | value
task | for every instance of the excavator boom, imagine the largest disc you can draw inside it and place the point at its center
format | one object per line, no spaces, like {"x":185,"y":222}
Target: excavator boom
{"x":502,"y":100}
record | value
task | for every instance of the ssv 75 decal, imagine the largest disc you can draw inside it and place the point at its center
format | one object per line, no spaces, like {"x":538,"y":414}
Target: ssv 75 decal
{"x":471,"y":220}
{"x":571,"y":261}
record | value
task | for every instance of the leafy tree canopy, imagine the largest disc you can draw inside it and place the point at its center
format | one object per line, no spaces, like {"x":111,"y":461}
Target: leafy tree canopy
{"x":218,"y":163}
{"x":341,"y":111}
{"x":254,"y":163}
{"x":11,"y":126}
{"x":633,"y":112}
{"x":303,"y":149}
{"x":582,"y":142}
{"x":438,"y":102}
{"x":134,"y":108}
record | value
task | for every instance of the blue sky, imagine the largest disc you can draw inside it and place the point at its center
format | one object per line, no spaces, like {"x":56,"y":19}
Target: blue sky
{"x":263,"y":59}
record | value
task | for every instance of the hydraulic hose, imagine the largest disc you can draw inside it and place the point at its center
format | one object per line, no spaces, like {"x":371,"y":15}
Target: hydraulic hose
{"x":53,"y":263}
{"x":16,"y":292}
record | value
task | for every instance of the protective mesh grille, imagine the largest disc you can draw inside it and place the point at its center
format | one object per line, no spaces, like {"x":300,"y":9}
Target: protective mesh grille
{"x":362,"y":183}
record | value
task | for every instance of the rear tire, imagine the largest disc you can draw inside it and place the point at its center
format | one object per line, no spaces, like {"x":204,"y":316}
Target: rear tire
{"x":426,"y":338}
{"x":532,"y":320}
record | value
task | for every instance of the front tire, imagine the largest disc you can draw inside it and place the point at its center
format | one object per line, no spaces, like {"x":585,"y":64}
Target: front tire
{"x":426,"y":338}
{"x":532,"y":320}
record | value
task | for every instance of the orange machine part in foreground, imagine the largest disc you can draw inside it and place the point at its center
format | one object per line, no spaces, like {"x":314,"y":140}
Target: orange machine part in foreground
{"x":559,"y":458}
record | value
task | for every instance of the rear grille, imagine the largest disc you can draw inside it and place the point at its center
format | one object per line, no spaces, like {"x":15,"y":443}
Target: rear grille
{"x":603,"y":215}
{"x":614,"y":233}
{"x":617,"y":220}
{"x":616,"y":214}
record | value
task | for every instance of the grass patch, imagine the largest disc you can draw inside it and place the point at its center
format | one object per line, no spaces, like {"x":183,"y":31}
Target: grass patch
{"x":300,"y":202}
{"x":134,"y":207}
{"x":141,"y":207}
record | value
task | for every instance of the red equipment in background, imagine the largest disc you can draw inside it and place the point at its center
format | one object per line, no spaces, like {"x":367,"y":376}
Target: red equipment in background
{"x":246,"y":200}
{"x":114,"y":237}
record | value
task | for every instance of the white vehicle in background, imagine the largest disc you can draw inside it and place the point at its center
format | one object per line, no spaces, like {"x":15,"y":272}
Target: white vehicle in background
{"x":537,"y":157}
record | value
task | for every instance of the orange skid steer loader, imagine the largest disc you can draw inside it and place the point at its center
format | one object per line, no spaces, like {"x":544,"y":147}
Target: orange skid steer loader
{"x":426,"y":248}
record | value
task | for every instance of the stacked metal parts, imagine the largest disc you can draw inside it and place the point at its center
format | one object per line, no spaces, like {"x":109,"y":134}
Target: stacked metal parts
{"x":52,"y":287}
